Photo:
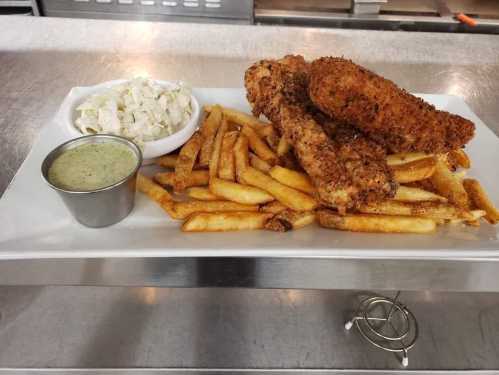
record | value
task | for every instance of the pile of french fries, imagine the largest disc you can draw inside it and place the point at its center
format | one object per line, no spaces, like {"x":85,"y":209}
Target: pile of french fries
{"x":236,"y":173}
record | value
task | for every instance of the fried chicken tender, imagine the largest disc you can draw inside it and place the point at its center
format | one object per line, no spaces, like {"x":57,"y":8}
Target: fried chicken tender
{"x":386,"y":113}
{"x":346,"y":171}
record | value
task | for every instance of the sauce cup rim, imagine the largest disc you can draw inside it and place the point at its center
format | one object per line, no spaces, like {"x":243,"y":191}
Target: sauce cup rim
{"x":52,"y":155}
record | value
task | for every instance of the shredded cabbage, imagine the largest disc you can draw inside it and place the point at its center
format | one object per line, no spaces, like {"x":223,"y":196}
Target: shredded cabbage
{"x":140,"y":110}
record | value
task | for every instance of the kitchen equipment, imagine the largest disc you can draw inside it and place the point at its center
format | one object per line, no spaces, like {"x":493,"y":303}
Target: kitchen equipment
{"x":19,"y":7}
{"x":100,"y":207}
{"x":428,"y":15}
{"x":225,"y":11}
{"x":367,"y":6}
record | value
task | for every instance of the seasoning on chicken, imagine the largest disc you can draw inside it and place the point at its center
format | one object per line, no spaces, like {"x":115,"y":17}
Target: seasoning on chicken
{"x":386,"y":113}
{"x":345,"y":173}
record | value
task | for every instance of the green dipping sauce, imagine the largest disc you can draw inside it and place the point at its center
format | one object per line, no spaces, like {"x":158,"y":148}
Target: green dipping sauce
{"x":92,"y":166}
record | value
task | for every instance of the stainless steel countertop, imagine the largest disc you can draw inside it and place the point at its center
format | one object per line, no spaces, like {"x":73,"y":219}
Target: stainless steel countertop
{"x":85,"y":327}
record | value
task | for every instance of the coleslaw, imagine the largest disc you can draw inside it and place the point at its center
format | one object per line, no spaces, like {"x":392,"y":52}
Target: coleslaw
{"x":141,"y":110}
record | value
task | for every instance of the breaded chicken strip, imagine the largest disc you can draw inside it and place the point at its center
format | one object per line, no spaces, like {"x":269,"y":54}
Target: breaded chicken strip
{"x":345,"y":173}
{"x":346,"y":168}
{"x":386,"y":113}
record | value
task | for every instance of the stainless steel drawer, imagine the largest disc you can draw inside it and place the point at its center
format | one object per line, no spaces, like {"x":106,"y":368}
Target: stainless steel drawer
{"x":228,"y":9}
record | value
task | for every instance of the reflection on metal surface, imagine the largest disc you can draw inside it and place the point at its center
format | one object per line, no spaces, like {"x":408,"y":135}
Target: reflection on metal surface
{"x":428,"y":295}
{"x":147,"y":295}
{"x":295,"y":296}
{"x":141,"y":72}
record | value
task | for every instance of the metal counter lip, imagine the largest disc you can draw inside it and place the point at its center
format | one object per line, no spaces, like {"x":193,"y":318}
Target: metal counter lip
{"x":256,"y":371}
{"x":257,"y":273}
{"x":260,"y":254}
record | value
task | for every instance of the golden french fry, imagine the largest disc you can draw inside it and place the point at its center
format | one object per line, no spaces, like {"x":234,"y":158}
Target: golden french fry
{"x":184,"y":209}
{"x":412,"y":194}
{"x":448,"y":185}
{"x":225,"y":221}
{"x":202,"y":194}
{"x":233,"y":127}
{"x":461,"y":158}
{"x":217,"y":147}
{"x":433,"y":210}
{"x":196,"y":178}
{"x":414,"y":170}
{"x":241,"y":156}
{"x":297,"y":180}
{"x":239,"y":193}
{"x":259,"y":164}
{"x":273,"y":207}
{"x":243,"y":119}
{"x":375,"y":223}
{"x":167,"y":161}
{"x":155,"y":192}
{"x":477,"y":215}
{"x":405,"y":157}
{"x":473,"y":223}
{"x":226,"y":164}
{"x":267,"y":131}
{"x":422,"y":184}
{"x":480,"y":199}
{"x":283,"y":147}
{"x":289,"y":219}
{"x":291,"y":198}
{"x":185,"y":161}
{"x":170,"y":161}
{"x":147,"y":186}
{"x":208,"y":131}
{"x":440,"y":221}
{"x":259,"y":147}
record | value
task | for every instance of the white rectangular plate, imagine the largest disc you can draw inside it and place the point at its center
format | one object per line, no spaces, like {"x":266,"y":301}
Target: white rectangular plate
{"x":34,"y":222}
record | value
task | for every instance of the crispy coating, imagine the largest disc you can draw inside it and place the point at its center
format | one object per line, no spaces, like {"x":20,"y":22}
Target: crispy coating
{"x":346,"y":168}
{"x":386,"y":113}
{"x":273,"y":83}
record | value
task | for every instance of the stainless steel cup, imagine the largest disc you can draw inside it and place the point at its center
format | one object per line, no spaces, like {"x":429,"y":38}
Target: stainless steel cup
{"x":101,"y":207}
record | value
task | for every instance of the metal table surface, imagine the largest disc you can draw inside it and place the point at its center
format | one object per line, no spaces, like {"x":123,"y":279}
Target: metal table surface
{"x":60,"y":329}
{"x":102,"y":327}
{"x":42,"y":58}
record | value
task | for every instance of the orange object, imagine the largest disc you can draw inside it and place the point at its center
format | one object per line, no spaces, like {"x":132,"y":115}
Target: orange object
{"x":466,"y":20}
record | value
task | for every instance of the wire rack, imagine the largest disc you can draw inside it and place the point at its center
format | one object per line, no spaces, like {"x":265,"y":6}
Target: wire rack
{"x":386,"y":324}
